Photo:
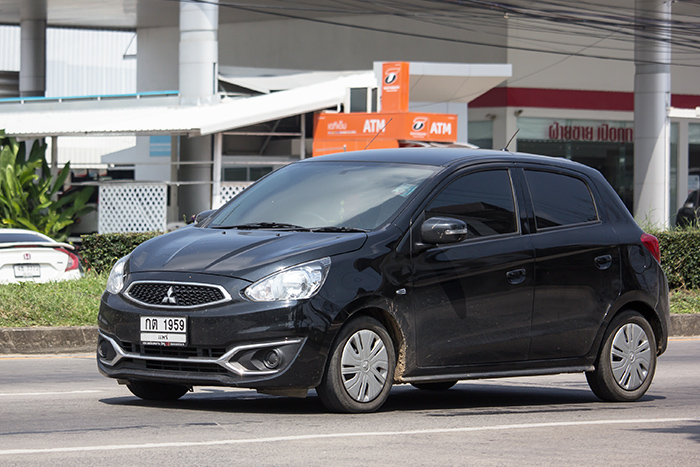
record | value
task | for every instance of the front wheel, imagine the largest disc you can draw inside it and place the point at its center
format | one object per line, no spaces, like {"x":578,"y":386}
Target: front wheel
{"x":627,"y":360}
{"x":151,"y":391}
{"x":360,"y":369}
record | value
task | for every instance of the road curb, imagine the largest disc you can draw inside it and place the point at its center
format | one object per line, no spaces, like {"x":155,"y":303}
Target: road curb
{"x":43,"y":340}
{"x":47,"y":340}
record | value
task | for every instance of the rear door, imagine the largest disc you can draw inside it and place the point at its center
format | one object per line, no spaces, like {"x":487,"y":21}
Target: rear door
{"x":577,"y":263}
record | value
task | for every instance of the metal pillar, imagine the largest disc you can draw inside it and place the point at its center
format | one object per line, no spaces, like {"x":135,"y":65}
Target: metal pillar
{"x":216,"y":170}
{"x":199,"y":51}
{"x":32,"y":69}
{"x":652,"y":94}
{"x":198,"y":75}
{"x":302,"y":139}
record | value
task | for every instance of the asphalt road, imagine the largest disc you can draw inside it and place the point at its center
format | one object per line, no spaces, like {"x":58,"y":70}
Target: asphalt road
{"x":57,"y":410}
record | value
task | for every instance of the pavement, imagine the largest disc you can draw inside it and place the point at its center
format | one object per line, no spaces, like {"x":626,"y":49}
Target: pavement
{"x":49,"y":340}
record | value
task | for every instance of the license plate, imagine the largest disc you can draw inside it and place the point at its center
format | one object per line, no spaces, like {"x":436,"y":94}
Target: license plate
{"x":27,"y":270}
{"x":164,"y":330}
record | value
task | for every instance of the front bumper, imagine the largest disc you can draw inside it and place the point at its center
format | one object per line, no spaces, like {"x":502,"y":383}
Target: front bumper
{"x":245,"y":365}
{"x":238,"y":343}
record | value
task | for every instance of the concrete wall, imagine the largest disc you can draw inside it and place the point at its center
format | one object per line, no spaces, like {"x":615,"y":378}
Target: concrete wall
{"x":560,"y":71}
{"x":158,"y":61}
{"x":296,"y":44}
{"x":304,"y":45}
{"x":685,"y":79}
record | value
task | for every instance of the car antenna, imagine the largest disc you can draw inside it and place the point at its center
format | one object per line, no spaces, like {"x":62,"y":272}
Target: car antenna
{"x":380,"y":130}
{"x":505,"y":148}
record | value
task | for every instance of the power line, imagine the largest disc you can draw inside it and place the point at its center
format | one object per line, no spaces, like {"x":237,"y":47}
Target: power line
{"x":588,"y":19}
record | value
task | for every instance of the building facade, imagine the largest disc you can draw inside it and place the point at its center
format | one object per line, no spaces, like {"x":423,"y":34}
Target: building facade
{"x":575,"y":73}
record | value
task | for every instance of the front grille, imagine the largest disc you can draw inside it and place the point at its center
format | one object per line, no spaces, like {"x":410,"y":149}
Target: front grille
{"x":181,"y":352}
{"x":181,"y":366}
{"x":170,"y":351}
{"x":176,"y":295}
{"x":173,"y":352}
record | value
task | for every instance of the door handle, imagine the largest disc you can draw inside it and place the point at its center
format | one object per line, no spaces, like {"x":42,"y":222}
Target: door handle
{"x":603,"y":262}
{"x":516,"y":276}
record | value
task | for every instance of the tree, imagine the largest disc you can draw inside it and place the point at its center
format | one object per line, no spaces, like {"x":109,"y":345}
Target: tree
{"x":27,"y":191}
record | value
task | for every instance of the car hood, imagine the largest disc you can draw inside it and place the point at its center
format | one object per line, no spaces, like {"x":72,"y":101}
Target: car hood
{"x":248,"y":254}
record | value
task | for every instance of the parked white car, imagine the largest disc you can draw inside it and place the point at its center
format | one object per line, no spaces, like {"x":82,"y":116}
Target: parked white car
{"x":30,"y":256}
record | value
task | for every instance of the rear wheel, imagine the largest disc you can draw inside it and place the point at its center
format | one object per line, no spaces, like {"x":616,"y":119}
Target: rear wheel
{"x":157,"y":391}
{"x":438,"y":386}
{"x":626,"y":361}
{"x":360,"y":370}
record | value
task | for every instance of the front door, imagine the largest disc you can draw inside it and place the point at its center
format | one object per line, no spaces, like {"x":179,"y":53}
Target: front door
{"x":472,"y":301}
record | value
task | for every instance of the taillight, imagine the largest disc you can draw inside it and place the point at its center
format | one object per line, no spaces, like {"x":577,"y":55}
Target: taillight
{"x":73,"y":260}
{"x":652,"y":244}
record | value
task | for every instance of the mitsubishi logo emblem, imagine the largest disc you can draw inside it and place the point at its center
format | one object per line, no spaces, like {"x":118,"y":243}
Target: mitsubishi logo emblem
{"x":170,"y":297}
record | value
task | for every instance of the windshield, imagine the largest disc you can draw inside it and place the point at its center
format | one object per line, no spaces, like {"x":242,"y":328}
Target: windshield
{"x":330,"y":195}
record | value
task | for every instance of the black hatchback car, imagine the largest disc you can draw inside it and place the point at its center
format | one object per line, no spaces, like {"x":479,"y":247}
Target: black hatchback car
{"x":687,"y":215}
{"x":349,"y":273}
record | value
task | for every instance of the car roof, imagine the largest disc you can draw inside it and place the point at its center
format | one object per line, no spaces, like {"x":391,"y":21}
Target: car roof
{"x":445,"y":157}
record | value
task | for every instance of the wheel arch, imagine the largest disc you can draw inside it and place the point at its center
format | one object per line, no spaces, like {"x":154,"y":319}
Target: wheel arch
{"x":650,"y":315}
{"x":392,"y":326}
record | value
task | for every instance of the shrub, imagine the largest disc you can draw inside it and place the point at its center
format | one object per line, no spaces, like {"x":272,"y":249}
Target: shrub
{"x":680,"y":257}
{"x":100,"y":252}
{"x":28,"y":191}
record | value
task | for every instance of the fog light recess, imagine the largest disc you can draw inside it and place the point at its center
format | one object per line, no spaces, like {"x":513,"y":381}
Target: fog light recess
{"x":272,"y":359}
{"x":105,"y":350}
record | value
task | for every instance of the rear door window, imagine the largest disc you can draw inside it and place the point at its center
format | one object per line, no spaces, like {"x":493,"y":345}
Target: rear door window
{"x":560,"y":199}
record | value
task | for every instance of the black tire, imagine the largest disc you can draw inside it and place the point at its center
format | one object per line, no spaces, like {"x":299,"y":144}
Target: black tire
{"x":438,"y":386}
{"x":360,"y":368}
{"x":627,"y":360}
{"x":151,"y":391}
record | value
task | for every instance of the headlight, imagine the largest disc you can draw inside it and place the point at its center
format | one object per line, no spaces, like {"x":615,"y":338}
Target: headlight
{"x":115,"y":282}
{"x":296,"y":283}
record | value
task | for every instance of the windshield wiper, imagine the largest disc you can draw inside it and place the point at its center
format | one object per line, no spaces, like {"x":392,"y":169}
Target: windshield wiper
{"x":262,"y":225}
{"x":339,"y":228}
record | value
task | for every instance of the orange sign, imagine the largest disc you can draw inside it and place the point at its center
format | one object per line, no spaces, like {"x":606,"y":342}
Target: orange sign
{"x":405,"y":126}
{"x":395,"y":86}
{"x":390,"y":128}
{"x":338,"y":132}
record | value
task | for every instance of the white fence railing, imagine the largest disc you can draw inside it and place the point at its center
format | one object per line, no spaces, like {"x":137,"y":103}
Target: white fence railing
{"x":143,"y":207}
{"x":132,"y":208}
{"x":229,"y":190}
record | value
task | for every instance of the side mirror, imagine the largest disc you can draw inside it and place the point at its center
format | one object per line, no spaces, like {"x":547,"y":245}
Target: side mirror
{"x":204,"y":215}
{"x":443,"y":230}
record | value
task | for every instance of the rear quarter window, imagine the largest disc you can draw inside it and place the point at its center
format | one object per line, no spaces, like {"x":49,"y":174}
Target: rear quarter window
{"x":560,"y":199}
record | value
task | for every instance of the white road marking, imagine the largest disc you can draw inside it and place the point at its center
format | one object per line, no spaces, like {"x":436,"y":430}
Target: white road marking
{"x":275,"y":439}
{"x":56,"y":393}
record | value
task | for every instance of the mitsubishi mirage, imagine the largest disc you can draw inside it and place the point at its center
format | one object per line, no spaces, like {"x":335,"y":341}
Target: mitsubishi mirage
{"x":349,"y":273}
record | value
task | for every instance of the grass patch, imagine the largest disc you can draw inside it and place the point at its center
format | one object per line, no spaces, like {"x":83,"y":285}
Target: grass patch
{"x":68,"y":303}
{"x":685,"y":301}
{"x":76,"y":303}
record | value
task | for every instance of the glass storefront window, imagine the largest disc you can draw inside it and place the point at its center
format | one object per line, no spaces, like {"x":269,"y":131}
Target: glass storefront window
{"x":245,"y":174}
{"x":481,"y":134}
{"x":694,"y":147}
{"x":673,"y":188}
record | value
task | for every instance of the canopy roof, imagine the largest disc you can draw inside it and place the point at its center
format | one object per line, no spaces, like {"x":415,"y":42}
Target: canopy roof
{"x":265,"y":98}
